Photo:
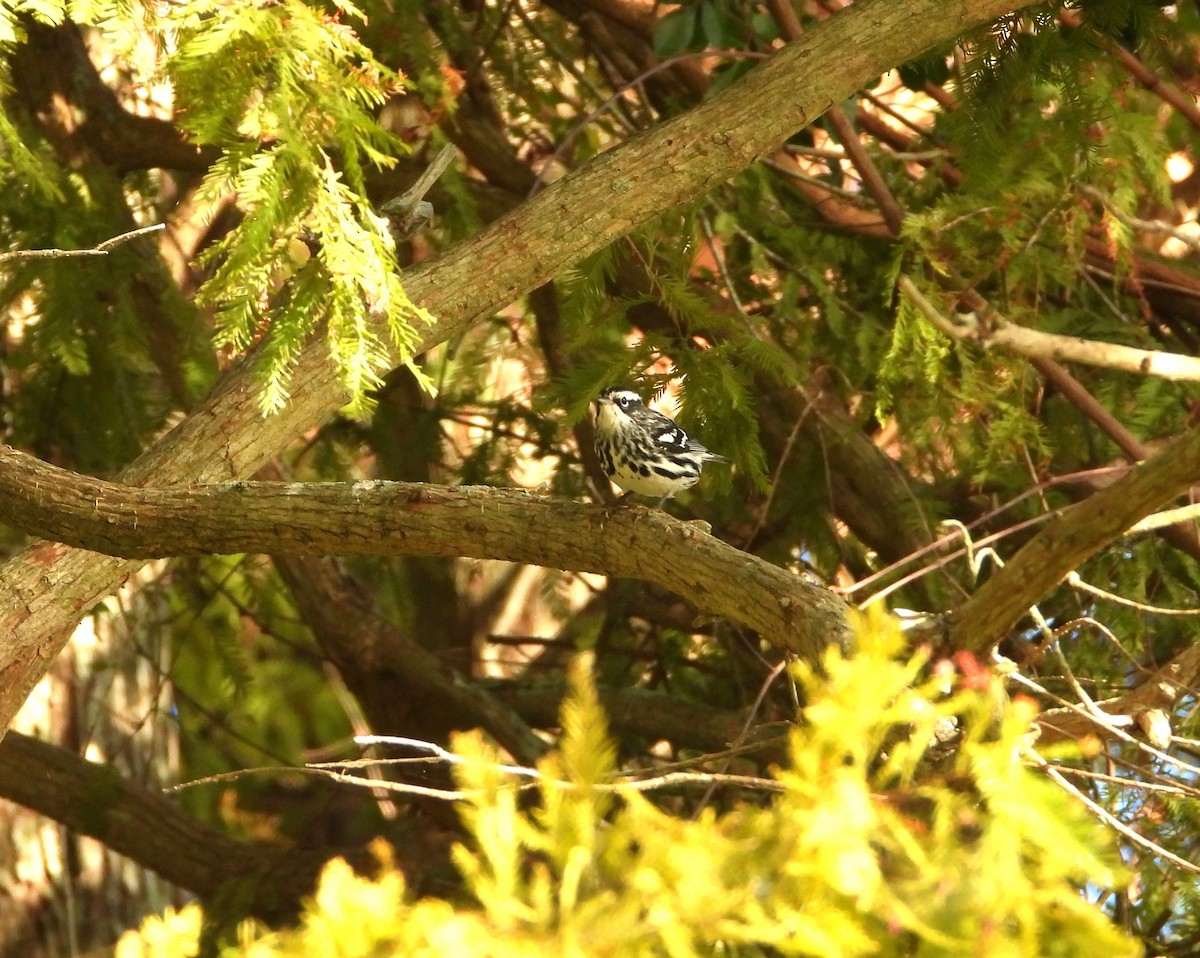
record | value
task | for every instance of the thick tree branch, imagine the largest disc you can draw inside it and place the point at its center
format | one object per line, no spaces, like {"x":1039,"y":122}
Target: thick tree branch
{"x":55,"y":77}
{"x":1067,"y":541}
{"x":94,"y":800}
{"x":392,"y":675}
{"x":45,"y":590}
{"x":404,"y":518}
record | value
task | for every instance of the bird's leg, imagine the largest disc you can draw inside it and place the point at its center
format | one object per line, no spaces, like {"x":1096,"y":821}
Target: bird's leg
{"x":621,"y":500}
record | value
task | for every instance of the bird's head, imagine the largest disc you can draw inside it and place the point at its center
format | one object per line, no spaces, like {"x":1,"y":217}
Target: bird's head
{"x":622,"y":397}
{"x":614,"y":406}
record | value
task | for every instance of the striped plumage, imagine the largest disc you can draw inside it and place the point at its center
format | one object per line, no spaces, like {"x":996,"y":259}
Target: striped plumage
{"x":642,"y":450}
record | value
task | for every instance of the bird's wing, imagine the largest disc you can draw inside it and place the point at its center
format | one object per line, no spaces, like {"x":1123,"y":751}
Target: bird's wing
{"x":672,"y":439}
{"x":668,"y":437}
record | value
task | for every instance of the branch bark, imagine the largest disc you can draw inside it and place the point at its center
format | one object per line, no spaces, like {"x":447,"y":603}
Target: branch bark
{"x":399,"y":682}
{"x":47,"y":588}
{"x":93,"y":800}
{"x":404,"y":518}
{"x":997,"y":331}
{"x":1160,"y":689}
{"x":1066,"y":542}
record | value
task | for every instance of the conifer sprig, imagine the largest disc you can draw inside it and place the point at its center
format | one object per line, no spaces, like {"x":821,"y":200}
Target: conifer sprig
{"x":294,"y":120}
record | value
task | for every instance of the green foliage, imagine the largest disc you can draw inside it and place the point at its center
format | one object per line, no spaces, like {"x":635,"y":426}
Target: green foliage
{"x":288,"y":93}
{"x":21,"y":164}
{"x":241,"y":691}
{"x":870,"y":846}
{"x":304,"y":85}
{"x":705,"y":24}
{"x":759,"y":302}
{"x":85,"y":346}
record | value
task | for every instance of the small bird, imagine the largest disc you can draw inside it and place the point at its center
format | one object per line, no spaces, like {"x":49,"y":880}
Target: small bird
{"x":642,"y":450}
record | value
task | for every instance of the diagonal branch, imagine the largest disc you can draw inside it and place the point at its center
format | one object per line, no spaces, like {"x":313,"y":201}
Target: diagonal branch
{"x":406,"y":518}
{"x":94,"y":800}
{"x":1066,"y":542}
{"x":1160,"y":689}
{"x":387,"y":670}
{"x":100,"y":249}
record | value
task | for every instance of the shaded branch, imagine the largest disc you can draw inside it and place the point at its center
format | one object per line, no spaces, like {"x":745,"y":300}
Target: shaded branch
{"x":387,"y":670}
{"x":1071,"y":388}
{"x":1137,"y":223}
{"x":1179,"y":100}
{"x":402,"y":518}
{"x":100,"y":249}
{"x":53,"y":69}
{"x":543,"y":302}
{"x":843,"y":128}
{"x":1181,"y":536}
{"x":94,"y":800}
{"x":1160,"y":689}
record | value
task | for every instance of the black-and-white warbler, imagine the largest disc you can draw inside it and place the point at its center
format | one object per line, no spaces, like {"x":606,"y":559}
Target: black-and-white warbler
{"x":642,"y":450}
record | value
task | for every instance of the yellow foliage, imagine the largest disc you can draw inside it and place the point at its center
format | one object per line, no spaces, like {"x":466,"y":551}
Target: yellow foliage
{"x":175,"y":933}
{"x":871,"y":848}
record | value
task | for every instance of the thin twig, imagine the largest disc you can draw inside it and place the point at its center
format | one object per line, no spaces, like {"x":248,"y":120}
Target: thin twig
{"x":1135,"y":223}
{"x":1167,"y":517}
{"x":1076,"y":582}
{"x":710,"y":239}
{"x":855,"y":198}
{"x":1132,"y":783}
{"x":430,"y":175}
{"x":741,"y":736}
{"x":950,"y":557}
{"x":638,"y":784}
{"x":323,"y":772}
{"x":1181,"y":100}
{"x":583,"y":124}
{"x":566,"y":61}
{"x":1109,"y":819}
{"x":946,"y":540}
{"x":100,"y":249}
{"x":440,"y":753}
{"x":838,"y":154}
{"x":784,"y":456}
{"x":1087,"y":620}
{"x":1108,"y":721}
